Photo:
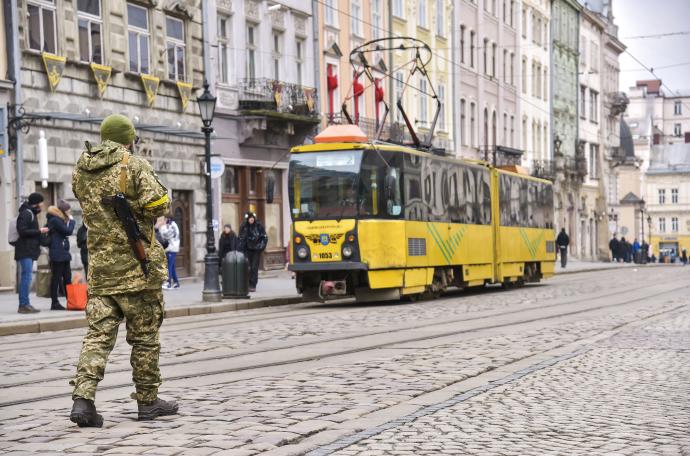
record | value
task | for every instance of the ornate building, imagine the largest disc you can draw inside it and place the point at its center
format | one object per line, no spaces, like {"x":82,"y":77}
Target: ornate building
{"x":570,"y":165}
{"x":486,"y":77}
{"x":261,"y":66}
{"x":79,"y":62}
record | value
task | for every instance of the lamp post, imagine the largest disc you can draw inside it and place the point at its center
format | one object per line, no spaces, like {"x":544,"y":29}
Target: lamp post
{"x":643,"y":256}
{"x":649,"y":225}
{"x":211,"y":293}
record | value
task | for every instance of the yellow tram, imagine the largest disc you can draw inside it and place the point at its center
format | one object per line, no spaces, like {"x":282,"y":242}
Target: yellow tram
{"x":380,"y":221}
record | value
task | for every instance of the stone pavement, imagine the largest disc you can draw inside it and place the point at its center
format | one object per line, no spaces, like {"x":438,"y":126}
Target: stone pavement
{"x":272,"y":284}
{"x":623,"y":396}
{"x":596,"y":400}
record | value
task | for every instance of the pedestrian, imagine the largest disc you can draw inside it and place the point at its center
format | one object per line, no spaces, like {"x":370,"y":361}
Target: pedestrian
{"x":562,"y":241}
{"x":170,"y":232}
{"x":636,"y":247}
{"x":27,"y":248}
{"x":614,"y":246}
{"x":120,"y":286}
{"x":227,"y":242}
{"x":253,"y":241}
{"x":60,"y":224}
{"x":625,"y":248}
{"x":684,"y":257}
{"x":83,"y":249}
{"x":644,"y":251}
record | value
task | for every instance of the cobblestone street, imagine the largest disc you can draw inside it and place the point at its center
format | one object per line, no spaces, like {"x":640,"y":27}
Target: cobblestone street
{"x":590,"y":363}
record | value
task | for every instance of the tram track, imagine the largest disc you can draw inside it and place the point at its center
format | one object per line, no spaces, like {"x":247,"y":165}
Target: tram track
{"x":354,"y":308}
{"x":291,"y":311}
{"x":392,"y":336}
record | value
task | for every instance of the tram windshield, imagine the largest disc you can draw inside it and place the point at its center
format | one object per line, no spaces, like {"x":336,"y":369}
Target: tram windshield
{"x":324,"y":185}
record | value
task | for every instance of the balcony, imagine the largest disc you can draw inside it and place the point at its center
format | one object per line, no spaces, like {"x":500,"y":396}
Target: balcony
{"x":263,"y":94}
{"x":616,"y":102}
{"x":544,"y":169}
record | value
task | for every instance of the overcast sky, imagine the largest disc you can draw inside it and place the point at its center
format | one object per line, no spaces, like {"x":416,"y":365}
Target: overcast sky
{"x":648,"y":17}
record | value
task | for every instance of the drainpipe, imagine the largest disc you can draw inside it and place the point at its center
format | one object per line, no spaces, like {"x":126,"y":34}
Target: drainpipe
{"x":391,"y":87}
{"x":317,"y":49}
{"x":14,"y":72}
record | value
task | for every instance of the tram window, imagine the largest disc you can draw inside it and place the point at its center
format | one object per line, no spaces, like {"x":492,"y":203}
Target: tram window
{"x":378,"y":170}
{"x":524,"y":215}
{"x":486,"y":197}
{"x":469,"y":194}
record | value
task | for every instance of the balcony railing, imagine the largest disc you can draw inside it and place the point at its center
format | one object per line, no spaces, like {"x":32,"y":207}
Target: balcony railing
{"x":280,"y":96}
{"x":544,"y":169}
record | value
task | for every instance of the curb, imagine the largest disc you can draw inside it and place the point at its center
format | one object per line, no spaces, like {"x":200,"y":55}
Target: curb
{"x":14,"y":328}
{"x":594,"y":269}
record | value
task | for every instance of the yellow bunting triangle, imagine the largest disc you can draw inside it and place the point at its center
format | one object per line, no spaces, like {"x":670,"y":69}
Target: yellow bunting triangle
{"x":55,"y":67}
{"x":101,"y":74}
{"x":150,"y":84}
{"x":185,"y":89}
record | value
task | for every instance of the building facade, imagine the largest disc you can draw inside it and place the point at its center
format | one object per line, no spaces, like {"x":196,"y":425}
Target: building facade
{"x":667,"y":183}
{"x":8,"y":189}
{"x":535,"y":87}
{"x":570,"y":166}
{"x":659,"y":124}
{"x":429,"y":21}
{"x":487,"y":77}
{"x":344,"y":26}
{"x":81,"y":61}
{"x":262,"y":68}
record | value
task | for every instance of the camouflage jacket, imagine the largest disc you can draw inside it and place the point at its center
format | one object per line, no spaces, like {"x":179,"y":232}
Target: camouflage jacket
{"x":113,"y":269}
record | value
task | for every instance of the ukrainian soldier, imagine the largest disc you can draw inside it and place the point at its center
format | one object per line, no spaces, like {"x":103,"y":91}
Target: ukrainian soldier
{"x":126,"y":268}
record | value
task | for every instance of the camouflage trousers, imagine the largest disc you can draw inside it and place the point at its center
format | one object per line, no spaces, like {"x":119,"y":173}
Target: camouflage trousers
{"x":143,"y":312}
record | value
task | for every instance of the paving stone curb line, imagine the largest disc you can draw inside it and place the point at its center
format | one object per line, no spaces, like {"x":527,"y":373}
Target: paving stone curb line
{"x":38,"y":326}
{"x":21,"y":327}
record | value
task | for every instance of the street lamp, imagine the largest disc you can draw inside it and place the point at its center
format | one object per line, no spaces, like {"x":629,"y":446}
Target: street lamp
{"x":649,"y":225}
{"x":643,"y":257}
{"x":207,"y":107}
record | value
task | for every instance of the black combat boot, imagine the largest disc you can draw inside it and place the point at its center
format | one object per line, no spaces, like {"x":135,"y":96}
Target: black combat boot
{"x":159,"y":407}
{"x":84,"y":413}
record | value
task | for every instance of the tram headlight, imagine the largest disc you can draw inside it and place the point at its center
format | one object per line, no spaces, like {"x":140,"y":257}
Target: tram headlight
{"x":347,"y":251}
{"x":302,"y":252}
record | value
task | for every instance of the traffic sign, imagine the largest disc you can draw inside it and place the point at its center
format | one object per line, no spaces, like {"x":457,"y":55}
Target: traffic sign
{"x":217,"y":167}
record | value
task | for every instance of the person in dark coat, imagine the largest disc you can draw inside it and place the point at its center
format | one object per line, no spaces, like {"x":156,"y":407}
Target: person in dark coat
{"x":562,"y":241}
{"x":227,"y":242}
{"x":253,"y":241}
{"x":28,"y":247}
{"x":83,"y":248}
{"x":625,"y":250}
{"x":61,"y":225}
{"x":614,"y":247}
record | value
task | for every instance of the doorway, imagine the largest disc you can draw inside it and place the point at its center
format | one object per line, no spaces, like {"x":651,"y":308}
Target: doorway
{"x":180,"y":208}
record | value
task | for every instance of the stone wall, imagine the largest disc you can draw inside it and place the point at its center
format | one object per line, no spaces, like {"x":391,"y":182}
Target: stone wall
{"x":176,"y":158}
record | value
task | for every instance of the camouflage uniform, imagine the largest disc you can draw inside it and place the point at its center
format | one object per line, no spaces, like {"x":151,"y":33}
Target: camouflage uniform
{"x":117,"y":286}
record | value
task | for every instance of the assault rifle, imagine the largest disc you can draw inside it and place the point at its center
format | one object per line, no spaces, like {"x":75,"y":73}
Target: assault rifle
{"x":124,"y":213}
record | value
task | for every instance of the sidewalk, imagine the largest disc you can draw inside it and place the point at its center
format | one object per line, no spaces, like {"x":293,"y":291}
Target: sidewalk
{"x":575,"y":265}
{"x":274,"y":288}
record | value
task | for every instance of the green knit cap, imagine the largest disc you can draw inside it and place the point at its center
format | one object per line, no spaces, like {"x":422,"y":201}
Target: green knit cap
{"x":118,"y":128}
